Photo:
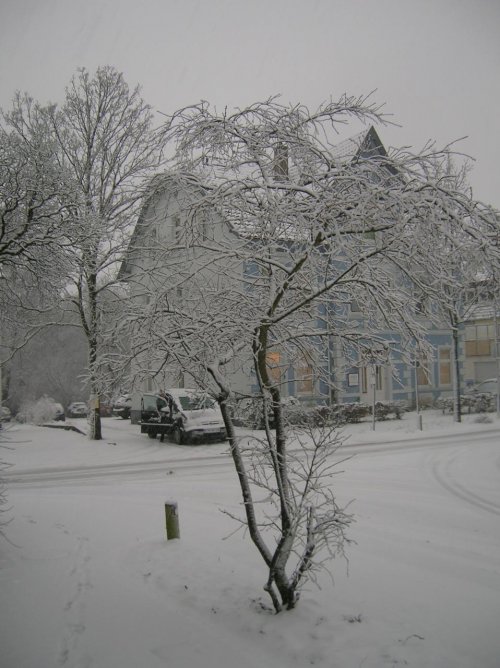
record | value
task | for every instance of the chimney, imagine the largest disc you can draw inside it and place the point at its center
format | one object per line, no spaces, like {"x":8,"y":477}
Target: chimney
{"x":281,"y":161}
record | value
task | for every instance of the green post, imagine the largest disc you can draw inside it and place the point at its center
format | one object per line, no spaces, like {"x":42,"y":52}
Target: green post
{"x":172,"y":520}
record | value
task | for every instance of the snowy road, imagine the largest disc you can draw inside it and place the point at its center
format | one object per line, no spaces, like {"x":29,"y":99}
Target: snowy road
{"x":175,"y":460}
{"x":152,"y":469}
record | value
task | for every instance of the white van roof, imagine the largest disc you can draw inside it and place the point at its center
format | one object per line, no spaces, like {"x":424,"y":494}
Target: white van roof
{"x":183,"y":392}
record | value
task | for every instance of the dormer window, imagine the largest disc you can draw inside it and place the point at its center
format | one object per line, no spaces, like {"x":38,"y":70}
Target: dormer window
{"x":177,"y":231}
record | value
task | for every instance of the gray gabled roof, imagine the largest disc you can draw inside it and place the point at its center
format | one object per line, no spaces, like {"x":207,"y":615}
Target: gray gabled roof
{"x":365,"y":144}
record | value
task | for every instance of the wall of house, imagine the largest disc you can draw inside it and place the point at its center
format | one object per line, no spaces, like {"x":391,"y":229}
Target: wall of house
{"x":399,"y":380}
{"x":163,"y":261}
{"x":480,"y":350}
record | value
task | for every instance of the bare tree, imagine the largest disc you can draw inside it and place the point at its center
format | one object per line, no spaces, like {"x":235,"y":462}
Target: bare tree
{"x":32,"y":202}
{"x":33,"y":209}
{"x":103,"y":137}
{"x":460,"y":256}
{"x":53,"y":363}
{"x":245,"y":260}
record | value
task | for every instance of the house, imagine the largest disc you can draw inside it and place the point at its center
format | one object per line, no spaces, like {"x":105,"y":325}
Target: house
{"x":482,"y":343}
{"x":197,"y":251}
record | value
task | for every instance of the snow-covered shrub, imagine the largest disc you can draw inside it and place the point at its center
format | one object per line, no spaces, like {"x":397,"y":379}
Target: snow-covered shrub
{"x":383,"y":409}
{"x":38,"y":412}
{"x":473,"y":403}
{"x":351,"y":412}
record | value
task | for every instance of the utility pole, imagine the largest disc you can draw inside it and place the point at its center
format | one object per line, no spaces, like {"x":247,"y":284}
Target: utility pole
{"x":497,"y":350}
{"x":417,"y":406}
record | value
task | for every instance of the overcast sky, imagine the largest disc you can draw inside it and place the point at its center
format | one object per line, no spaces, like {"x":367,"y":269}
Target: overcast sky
{"x":434,"y":63}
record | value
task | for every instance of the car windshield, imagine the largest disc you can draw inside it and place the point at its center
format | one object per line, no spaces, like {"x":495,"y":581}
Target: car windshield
{"x":487,"y":386}
{"x":151,"y":402}
{"x":195,"y":402}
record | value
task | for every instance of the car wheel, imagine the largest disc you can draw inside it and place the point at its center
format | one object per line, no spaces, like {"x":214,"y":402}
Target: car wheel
{"x":178,"y":435}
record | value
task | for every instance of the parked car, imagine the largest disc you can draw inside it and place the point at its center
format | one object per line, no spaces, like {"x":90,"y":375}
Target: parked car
{"x":186,"y":415}
{"x":78,"y":409}
{"x":481,"y":397}
{"x":489,"y":386}
{"x":105,"y":409}
{"x":122,"y":406}
{"x":5,"y":414}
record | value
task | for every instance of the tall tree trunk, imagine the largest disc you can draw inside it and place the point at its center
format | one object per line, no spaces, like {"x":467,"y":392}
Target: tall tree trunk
{"x":457,"y":403}
{"x":278,"y":454}
{"x":95,"y":422}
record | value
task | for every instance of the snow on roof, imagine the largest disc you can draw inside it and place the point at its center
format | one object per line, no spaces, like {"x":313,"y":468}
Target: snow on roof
{"x":482,"y":312}
{"x":349,"y":148}
{"x":210,"y":172}
{"x":183,"y":392}
{"x":366,"y":141}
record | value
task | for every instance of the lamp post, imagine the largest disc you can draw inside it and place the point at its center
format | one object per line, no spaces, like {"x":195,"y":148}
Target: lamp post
{"x":497,"y":352}
{"x":417,"y":406}
{"x":373,"y":382}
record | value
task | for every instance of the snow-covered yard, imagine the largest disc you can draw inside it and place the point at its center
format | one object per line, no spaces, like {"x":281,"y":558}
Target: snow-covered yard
{"x":88,"y":578}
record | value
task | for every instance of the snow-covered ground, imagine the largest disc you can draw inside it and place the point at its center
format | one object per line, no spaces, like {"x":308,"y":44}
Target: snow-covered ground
{"x":88,"y":578}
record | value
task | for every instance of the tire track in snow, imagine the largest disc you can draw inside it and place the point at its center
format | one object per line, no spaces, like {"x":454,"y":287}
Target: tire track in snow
{"x":442,"y":472}
{"x":172,"y":464}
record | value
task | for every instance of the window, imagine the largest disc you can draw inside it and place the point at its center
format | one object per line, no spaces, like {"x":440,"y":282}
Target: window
{"x":304,"y":376}
{"x":273,"y":361}
{"x":177,"y":230}
{"x":206,"y":228}
{"x":420,"y":304}
{"x":423,"y":371}
{"x":195,"y":403}
{"x":151,"y":241}
{"x":364,"y":380}
{"x":370,"y":375}
{"x":479,"y":340}
{"x":445,"y":366}
{"x":477,"y":348}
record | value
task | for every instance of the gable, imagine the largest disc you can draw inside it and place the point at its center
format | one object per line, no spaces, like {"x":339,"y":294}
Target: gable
{"x":363,"y":145}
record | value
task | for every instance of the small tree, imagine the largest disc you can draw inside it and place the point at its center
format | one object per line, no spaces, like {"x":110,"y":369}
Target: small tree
{"x":103,"y":137}
{"x":274,"y":234}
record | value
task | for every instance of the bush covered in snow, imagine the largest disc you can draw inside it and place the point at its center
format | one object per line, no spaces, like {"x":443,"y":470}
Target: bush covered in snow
{"x":38,"y":412}
{"x":471,"y":403}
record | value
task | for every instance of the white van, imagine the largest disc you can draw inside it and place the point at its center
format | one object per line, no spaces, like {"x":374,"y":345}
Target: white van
{"x":186,"y":415}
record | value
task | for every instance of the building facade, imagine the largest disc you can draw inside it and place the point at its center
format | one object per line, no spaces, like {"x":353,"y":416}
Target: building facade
{"x":161,"y":255}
